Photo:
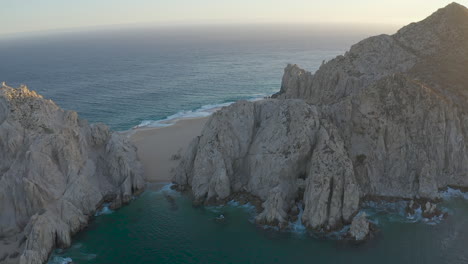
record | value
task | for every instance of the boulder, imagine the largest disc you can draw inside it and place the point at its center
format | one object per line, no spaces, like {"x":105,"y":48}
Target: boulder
{"x":360,"y":227}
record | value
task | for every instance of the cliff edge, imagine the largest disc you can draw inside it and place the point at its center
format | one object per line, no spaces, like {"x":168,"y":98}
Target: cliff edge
{"x":55,"y":171}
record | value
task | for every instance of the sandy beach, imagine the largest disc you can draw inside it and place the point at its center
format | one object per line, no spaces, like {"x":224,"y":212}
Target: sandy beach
{"x":156,"y":146}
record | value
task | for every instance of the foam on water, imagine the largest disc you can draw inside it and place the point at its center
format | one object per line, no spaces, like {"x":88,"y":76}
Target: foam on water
{"x":60,"y":260}
{"x":105,"y":210}
{"x":233,"y":203}
{"x":434,"y":220}
{"x":297,"y":226}
{"x":339,"y":234}
{"x":57,"y":258}
{"x":451,"y":193}
{"x":203,"y":111}
{"x":416,"y":217}
{"x":167,"y":189}
{"x":220,"y":217}
{"x":396,"y":212}
{"x":220,"y":210}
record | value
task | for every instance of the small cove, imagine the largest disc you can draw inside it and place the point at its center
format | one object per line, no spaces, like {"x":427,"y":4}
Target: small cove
{"x":155,"y":229}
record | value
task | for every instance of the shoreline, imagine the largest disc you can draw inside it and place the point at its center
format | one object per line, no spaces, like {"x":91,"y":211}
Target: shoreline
{"x":159,"y":148}
{"x":204,"y":111}
{"x":161,"y":143}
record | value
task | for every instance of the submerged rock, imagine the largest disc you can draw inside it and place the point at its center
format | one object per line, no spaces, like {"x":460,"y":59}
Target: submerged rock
{"x":387,"y":119}
{"x":55,"y":171}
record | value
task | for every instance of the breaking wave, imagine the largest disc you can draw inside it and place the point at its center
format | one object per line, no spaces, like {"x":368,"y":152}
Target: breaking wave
{"x":203,"y":111}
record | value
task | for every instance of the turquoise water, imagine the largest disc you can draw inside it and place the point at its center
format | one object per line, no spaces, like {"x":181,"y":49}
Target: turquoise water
{"x":158,"y":229}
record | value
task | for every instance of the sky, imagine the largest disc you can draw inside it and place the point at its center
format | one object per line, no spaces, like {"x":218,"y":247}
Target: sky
{"x":41,"y":15}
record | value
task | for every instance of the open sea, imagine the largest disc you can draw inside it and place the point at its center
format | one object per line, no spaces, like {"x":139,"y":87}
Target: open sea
{"x":136,"y":76}
{"x":139,"y":76}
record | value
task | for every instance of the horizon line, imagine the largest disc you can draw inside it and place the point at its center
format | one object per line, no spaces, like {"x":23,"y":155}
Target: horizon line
{"x":141,"y":25}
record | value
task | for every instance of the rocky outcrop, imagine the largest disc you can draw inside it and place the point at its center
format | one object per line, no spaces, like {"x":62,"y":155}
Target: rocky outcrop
{"x":279,"y":151}
{"x":387,"y":119}
{"x":405,"y":140}
{"x":403,"y":116}
{"x":433,"y":49}
{"x":55,"y":171}
{"x":360,"y":227}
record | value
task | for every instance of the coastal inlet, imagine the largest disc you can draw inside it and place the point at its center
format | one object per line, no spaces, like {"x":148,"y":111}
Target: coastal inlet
{"x":158,"y":229}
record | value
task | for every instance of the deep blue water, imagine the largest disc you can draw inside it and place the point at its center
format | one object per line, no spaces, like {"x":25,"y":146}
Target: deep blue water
{"x":124,"y":77}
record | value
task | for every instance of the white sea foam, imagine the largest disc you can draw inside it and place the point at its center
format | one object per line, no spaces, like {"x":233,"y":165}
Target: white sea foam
{"x":161,"y":189}
{"x":453,"y":193}
{"x":215,"y":209}
{"x":298,"y":226}
{"x":203,"y":111}
{"x":416,"y":217}
{"x":60,"y":260}
{"x":338,"y":234}
{"x":434,"y":220}
{"x":396,"y":212}
{"x":167,"y":188}
{"x":248,"y":206}
{"x":105,"y":210}
{"x":220,"y":217}
{"x":233,"y":203}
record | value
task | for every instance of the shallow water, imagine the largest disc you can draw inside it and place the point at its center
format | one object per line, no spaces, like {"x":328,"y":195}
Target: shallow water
{"x":158,"y":229}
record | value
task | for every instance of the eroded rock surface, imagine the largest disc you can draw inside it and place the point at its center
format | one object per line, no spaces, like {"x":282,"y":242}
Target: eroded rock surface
{"x":279,"y":151}
{"x":387,"y":119}
{"x":360,"y":227}
{"x":55,"y":170}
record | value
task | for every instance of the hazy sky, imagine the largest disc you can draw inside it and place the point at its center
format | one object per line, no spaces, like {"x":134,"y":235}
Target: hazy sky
{"x":34,"y":15}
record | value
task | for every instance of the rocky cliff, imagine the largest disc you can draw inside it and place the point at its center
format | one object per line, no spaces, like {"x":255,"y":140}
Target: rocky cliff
{"x":55,"y":171}
{"x":388,"y":119}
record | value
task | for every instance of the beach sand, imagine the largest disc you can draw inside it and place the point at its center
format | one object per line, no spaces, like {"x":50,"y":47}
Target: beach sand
{"x":156,"y":146}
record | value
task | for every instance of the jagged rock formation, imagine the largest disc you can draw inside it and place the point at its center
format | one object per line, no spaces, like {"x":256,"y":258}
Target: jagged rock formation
{"x":387,"y":119}
{"x":55,"y":170}
{"x":360,"y":227}
{"x":275,"y":150}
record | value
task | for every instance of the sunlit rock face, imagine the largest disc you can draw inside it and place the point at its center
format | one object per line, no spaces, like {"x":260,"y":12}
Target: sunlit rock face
{"x":387,"y":119}
{"x":279,"y":151}
{"x":55,"y":170}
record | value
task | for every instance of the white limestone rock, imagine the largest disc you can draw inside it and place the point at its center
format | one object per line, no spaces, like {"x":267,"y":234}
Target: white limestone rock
{"x":332,"y":194}
{"x":388,"y":119}
{"x":267,"y":149}
{"x":400,"y":105}
{"x":55,"y":170}
{"x":360,"y":227}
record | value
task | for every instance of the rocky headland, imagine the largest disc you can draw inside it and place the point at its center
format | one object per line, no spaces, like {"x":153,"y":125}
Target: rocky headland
{"x":56,"y":170}
{"x":387,"y":120}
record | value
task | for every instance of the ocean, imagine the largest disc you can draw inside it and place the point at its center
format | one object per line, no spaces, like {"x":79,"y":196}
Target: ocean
{"x":141,"y":76}
{"x":131,"y":77}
